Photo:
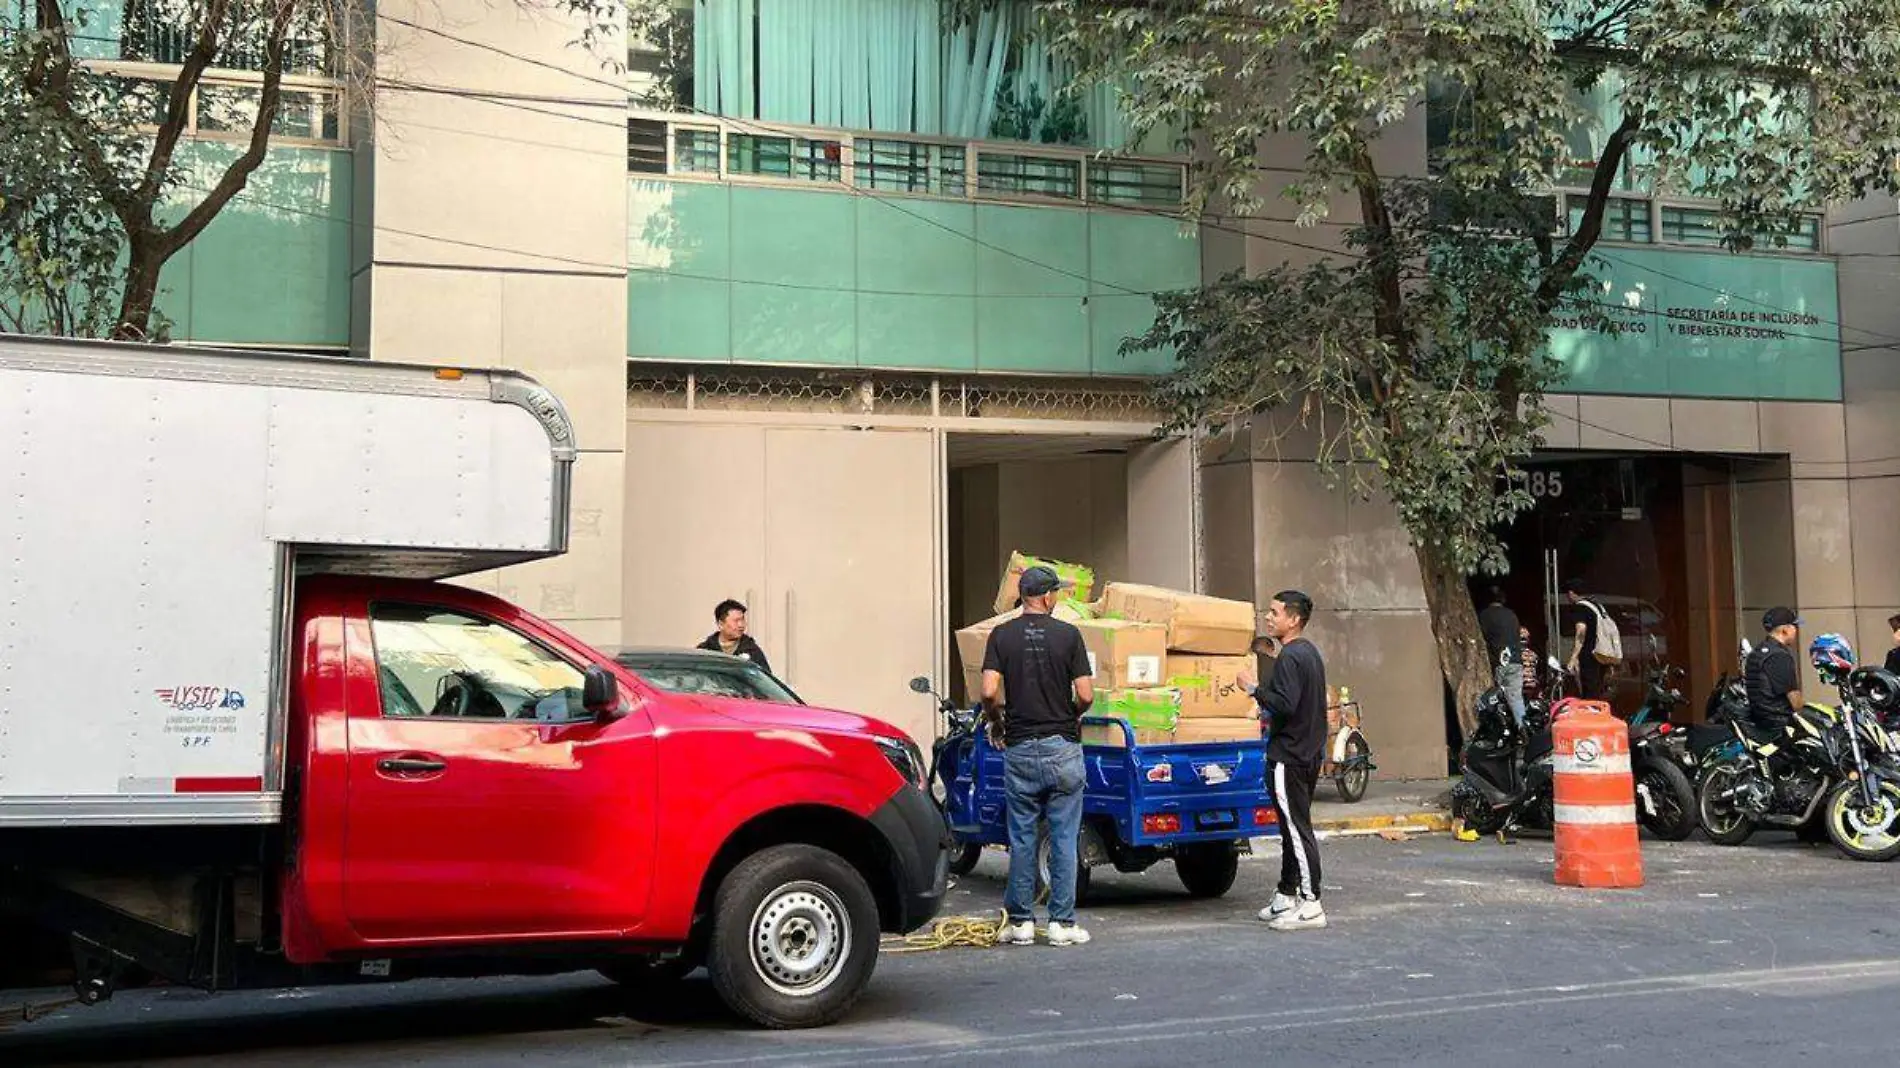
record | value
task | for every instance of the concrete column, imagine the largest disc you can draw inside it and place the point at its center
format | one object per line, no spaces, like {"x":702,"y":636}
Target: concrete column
{"x":1163,"y":519}
{"x":492,"y":230}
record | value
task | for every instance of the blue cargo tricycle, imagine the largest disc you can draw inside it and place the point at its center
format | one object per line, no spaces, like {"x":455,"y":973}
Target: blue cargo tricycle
{"x":1197,"y":804}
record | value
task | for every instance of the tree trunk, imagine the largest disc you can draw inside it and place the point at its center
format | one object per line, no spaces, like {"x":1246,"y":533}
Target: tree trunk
{"x":1461,"y":650}
{"x":145,"y":259}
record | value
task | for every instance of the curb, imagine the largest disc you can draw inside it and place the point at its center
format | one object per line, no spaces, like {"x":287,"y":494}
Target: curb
{"x":1421,"y":822}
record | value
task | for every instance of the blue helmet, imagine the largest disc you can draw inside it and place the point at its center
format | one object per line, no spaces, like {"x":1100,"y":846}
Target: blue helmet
{"x":1832,"y":658}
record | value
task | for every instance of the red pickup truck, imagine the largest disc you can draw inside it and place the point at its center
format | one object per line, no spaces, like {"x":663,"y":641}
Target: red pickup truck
{"x":250,"y":741}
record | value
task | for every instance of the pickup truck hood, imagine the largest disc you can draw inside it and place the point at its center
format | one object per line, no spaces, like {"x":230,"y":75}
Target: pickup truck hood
{"x":768,"y":715}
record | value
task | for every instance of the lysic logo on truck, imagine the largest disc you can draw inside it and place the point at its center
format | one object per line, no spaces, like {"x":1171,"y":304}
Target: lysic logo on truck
{"x":192,"y":698}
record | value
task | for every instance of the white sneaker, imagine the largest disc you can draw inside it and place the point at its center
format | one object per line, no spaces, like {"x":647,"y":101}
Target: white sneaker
{"x":1310,"y":916}
{"x":1278,"y":907}
{"x":1067,"y":934}
{"x":1018,"y":934}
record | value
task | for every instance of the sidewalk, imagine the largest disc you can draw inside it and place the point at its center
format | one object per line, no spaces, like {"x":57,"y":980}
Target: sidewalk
{"x":1410,"y":805}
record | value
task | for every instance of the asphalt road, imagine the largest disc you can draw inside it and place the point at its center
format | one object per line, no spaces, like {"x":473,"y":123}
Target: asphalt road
{"x":1440,"y":953}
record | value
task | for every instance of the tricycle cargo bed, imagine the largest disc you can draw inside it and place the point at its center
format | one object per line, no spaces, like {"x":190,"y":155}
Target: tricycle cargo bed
{"x":160,"y":503}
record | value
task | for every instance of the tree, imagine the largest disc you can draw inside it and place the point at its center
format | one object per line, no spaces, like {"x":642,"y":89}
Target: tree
{"x":1418,"y":348}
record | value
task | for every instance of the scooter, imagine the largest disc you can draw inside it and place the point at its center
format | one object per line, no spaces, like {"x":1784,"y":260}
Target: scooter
{"x":1661,"y":764}
{"x":1507,"y":768}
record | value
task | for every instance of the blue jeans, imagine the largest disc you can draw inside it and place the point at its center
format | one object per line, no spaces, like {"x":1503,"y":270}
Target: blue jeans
{"x":1043,"y":778}
{"x":1510,"y":678}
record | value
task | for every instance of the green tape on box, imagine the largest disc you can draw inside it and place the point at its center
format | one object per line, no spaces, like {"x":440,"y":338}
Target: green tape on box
{"x":1155,"y":710}
{"x":1080,"y":575}
{"x":1192,"y":682}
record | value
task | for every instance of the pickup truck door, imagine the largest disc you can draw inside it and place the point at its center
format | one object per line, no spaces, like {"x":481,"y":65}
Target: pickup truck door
{"x":484,"y":802}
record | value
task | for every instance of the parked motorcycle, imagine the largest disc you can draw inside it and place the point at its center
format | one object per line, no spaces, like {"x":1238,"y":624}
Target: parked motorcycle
{"x":955,"y":735}
{"x":1660,"y":762}
{"x":1834,"y":766}
{"x":1507,"y":768}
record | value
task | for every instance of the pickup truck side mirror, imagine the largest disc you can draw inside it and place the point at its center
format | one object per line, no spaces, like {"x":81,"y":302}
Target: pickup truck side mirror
{"x":600,"y":693}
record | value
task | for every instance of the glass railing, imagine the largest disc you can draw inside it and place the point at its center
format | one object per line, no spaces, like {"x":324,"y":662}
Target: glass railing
{"x":310,"y":110}
{"x":705,"y":147}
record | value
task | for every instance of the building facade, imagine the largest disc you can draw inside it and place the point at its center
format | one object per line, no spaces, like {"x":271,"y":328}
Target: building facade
{"x":837,"y":299}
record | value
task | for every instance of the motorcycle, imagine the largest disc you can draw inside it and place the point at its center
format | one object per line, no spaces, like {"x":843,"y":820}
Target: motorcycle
{"x":1507,"y":768}
{"x":1838,"y":768}
{"x":1660,"y":762}
{"x":955,"y":735}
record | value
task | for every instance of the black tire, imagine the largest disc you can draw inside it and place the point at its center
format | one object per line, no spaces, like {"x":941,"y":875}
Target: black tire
{"x":963,"y":858}
{"x":648,"y":974}
{"x":1470,"y":807}
{"x":1354,"y":780}
{"x":1207,"y":871}
{"x":780,"y":908}
{"x":1724,"y":827}
{"x":1670,"y":791}
{"x":1861,"y":834}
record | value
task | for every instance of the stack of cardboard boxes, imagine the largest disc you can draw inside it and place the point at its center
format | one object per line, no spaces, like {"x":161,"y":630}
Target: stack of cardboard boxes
{"x":1166,"y":661}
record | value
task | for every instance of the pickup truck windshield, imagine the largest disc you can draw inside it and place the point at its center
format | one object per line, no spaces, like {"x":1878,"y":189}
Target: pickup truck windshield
{"x":707,"y":677}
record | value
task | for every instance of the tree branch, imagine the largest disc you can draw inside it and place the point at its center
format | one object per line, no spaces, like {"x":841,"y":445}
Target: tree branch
{"x":239,"y":172}
{"x":178,"y":102}
{"x":51,"y":84}
{"x":1550,"y":289}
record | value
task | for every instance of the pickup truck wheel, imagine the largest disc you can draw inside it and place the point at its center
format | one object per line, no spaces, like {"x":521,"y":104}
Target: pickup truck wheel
{"x":1207,"y":871}
{"x":794,"y":939}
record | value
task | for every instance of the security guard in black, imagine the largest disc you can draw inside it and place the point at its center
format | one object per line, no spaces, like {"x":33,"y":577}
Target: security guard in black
{"x":1039,"y":657}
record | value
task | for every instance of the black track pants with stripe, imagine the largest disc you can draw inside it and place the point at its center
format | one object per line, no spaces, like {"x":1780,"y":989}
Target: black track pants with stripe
{"x":1293,"y":786}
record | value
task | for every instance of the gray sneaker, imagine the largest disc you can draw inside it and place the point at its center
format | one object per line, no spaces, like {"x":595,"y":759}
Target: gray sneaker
{"x":1278,"y":907}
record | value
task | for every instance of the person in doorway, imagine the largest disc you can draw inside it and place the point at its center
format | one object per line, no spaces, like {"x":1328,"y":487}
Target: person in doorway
{"x":1582,"y":617}
{"x":1293,"y":708}
{"x":1533,"y":670}
{"x":1772,"y":678}
{"x":731,"y":637}
{"x":1893,"y":654}
{"x":1039,"y":661}
{"x":1500,"y":628}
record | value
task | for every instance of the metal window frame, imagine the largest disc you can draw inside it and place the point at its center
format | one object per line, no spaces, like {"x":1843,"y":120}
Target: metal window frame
{"x":221,"y":77}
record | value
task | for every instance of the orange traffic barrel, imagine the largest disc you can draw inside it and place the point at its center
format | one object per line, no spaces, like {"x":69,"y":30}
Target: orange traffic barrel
{"x":1595,"y":800}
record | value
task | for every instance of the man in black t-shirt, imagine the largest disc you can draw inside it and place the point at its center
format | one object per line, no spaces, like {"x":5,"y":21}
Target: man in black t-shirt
{"x":1580,"y":618}
{"x":1772,"y":677}
{"x":1293,"y":706}
{"x":1039,"y":663}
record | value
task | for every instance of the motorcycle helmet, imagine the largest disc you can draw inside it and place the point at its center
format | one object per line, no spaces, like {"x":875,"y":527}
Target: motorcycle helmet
{"x":1877,"y":688}
{"x":1832,"y":658}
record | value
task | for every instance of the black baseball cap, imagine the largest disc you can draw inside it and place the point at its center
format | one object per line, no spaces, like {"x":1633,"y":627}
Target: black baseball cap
{"x":1038,"y":581}
{"x":1779,"y":616}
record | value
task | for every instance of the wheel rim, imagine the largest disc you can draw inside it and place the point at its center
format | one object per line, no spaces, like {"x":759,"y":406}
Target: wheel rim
{"x":1357,"y":778}
{"x":1712,"y":810}
{"x":801,"y":938}
{"x":1868,"y":827}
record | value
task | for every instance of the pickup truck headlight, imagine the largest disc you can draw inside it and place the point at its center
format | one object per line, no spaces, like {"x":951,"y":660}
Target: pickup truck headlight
{"x":905,"y":757}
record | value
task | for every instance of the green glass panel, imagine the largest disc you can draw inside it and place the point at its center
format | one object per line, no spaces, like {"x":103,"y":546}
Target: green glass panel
{"x":1032,"y":269}
{"x":1709,"y":324}
{"x":790,"y":326}
{"x":679,"y":258}
{"x":794,"y":270}
{"x":1133,"y":255}
{"x":274,"y":266}
{"x":935,"y":332}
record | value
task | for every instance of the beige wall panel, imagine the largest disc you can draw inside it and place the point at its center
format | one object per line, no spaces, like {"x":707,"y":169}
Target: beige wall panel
{"x":1637,"y":423}
{"x":1823,"y":549}
{"x":1389,"y":661}
{"x":1302,"y":533}
{"x":1161,"y":527}
{"x":686,"y":549}
{"x":1712,"y":426}
{"x":1875,"y":510}
{"x":1227,"y":530}
{"x":585,"y":582}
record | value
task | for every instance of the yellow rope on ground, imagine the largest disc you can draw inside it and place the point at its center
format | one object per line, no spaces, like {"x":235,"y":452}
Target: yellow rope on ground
{"x":973,"y":932}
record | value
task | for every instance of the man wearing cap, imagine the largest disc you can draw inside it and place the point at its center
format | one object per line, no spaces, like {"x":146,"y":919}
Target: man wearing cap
{"x":1041,"y":666}
{"x":1774,"y":682}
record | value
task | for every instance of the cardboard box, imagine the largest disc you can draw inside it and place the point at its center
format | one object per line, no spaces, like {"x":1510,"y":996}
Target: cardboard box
{"x":1113,"y":737}
{"x":1217,"y":730}
{"x":1196,"y":624}
{"x":1125,"y":654}
{"x":1210,"y":685}
{"x":972,"y":640}
{"x":1083,"y":579}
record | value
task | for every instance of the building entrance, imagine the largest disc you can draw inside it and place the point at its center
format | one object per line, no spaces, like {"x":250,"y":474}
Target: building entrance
{"x":1650,"y":539}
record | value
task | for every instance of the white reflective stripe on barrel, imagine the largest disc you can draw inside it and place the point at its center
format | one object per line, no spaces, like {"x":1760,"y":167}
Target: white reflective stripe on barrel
{"x":1608,"y":764}
{"x":1594,"y":813}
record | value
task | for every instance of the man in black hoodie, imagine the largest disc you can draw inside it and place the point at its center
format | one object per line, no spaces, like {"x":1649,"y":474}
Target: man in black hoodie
{"x":1293,"y":706}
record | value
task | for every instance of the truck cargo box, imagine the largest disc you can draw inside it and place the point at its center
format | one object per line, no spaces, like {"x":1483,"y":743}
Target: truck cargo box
{"x":160,"y":503}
